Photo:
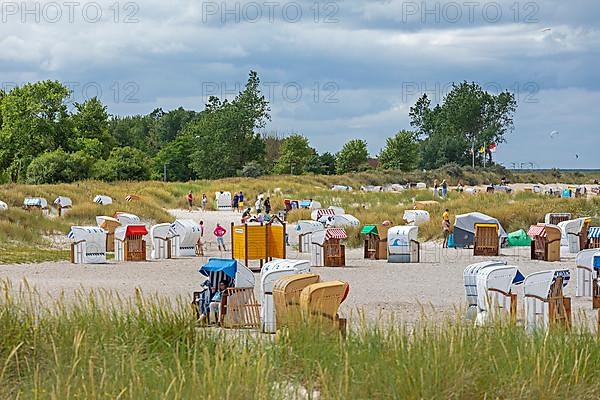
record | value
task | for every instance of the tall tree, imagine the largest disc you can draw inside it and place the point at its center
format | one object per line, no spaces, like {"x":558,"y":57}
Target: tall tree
{"x":91,"y":122}
{"x":295,"y":153}
{"x":468,"y":117}
{"x":353,"y":157}
{"x":224,"y":136}
{"x":401,"y":152}
{"x":34,"y":120}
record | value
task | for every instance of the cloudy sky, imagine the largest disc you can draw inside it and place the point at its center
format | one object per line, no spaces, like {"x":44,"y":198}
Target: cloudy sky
{"x":333,"y":70}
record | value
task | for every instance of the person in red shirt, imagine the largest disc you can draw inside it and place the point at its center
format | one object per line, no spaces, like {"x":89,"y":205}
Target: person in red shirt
{"x":220,"y":232}
{"x":190,"y":200}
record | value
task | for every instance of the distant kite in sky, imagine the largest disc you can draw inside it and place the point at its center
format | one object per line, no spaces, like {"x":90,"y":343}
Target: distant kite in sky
{"x":547,"y":30}
{"x":553,"y":134}
{"x":577,"y":156}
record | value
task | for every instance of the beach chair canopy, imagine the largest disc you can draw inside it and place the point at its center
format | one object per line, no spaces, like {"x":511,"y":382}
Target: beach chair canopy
{"x":470,"y":278}
{"x":537,"y":230}
{"x":538,"y":284}
{"x":369,"y":230}
{"x":416,"y":217}
{"x":223,"y":198}
{"x":550,"y":217}
{"x":123,"y":232}
{"x":161,"y":231}
{"x":337,"y":210}
{"x":467,"y":222}
{"x":63,"y":202}
{"x":394,"y":187}
{"x":272,"y":270}
{"x":315,"y":205}
{"x":519,"y":239}
{"x":341,"y":188}
{"x":35,"y":202}
{"x":371,"y":188}
{"x":304,"y":203}
{"x":308,"y":226}
{"x":497,"y":277}
{"x":103,"y":200}
{"x":402,"y":235}
{"x":318,"y":214}
{"x":103,"y":221}
{"x":236,"y":272}
{"x":320,"y":237}
{"x":3,"y":206}
{"x":344,"y":220}
{"x":585,"y":258}
{"x":189,"y":231}
{"x":594,"y":232}
{"x":89,"y":234}
{"x":127,"y":218}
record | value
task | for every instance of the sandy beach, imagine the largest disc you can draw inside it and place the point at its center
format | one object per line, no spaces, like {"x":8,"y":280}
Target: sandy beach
{"x":435,"y":286}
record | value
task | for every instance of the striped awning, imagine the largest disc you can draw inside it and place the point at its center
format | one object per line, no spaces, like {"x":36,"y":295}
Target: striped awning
{"x":537,"y":230}
{"x":335,"y":233}
{"x":594,"y":232}
{"x":322,"y":212}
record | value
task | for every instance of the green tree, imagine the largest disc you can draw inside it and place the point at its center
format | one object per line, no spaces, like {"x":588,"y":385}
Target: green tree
{"x":353,"y":157}
{"x":327,"y":163}
{"x":91,"y":122}
{"x":469,"y":117}
{"x":401,"y":152}
{"x":295,"y":154}
{"x":50,"y":167}
{"x":176,"y":156}
{"x":124,"y":163}
{"x":35,"y":120}
{"x":224,"y":136}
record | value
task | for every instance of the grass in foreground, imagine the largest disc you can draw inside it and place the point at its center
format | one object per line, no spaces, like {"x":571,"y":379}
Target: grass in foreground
{"x":102,"y":347}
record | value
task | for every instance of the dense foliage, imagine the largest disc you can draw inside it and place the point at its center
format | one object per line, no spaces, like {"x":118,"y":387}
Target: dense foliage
{"x":45,"y":139}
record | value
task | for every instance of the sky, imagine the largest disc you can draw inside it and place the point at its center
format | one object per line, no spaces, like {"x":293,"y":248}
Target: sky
{"x":332,"y":70}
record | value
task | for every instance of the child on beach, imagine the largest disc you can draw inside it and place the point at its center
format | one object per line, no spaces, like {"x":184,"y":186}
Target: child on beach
{"x":220,"y":232}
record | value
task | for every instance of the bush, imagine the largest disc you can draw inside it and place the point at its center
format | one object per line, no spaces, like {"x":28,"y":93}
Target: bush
{"x":253,"y":170}
{"x":50,"y":167}
{"x":124,"y":164}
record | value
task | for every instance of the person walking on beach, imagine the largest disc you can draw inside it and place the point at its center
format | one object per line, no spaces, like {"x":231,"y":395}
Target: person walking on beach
{"x":258,"y":205}
{"x":436,"y":188}
{"x":219,"y":233}
{"x":446,"y":228}
{"x":204,"y":201}
{"x":190,"y":200}
{"x":236,"y":203}
{"x":444,"y":189}
{"x":241,"y":202}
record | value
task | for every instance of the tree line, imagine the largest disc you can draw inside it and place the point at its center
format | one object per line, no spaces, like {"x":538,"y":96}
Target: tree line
{"x":45,"y":139}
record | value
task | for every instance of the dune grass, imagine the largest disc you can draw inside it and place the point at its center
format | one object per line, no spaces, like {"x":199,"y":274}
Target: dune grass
{"x":99,"y":346}
{"x":23,"y":233}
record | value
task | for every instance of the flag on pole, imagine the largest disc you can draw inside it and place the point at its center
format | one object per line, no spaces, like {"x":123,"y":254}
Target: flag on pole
{"x":493,"y":148}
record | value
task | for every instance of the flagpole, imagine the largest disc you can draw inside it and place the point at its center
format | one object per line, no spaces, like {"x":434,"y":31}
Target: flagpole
{"x":473,"y":153}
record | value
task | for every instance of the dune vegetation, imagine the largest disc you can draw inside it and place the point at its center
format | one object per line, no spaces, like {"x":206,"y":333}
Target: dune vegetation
{"x":99,"y":346}
{"x":27,"y":237}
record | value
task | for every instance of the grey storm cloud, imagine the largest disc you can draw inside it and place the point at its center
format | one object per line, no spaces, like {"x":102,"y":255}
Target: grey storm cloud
{"x":333,"y":70}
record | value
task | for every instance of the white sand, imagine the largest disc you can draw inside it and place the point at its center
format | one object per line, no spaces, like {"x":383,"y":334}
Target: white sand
{"x":436,"y":284}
